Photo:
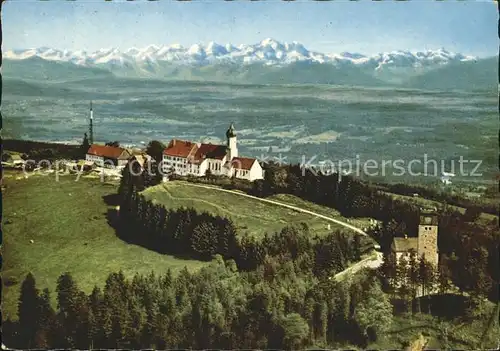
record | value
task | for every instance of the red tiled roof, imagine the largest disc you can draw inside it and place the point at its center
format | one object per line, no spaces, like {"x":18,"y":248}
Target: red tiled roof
{"x":106,"y":151}
{"x":209,"y":151}
{"x":180,"y":148}
{"x":195,"y":152}
{"x":243,"y":162}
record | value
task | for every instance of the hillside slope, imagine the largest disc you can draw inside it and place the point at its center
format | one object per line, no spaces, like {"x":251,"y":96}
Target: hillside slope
{"x":472,"y":75}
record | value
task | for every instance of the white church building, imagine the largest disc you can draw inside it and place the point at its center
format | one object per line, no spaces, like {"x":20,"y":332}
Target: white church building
{"x":190,"y":158}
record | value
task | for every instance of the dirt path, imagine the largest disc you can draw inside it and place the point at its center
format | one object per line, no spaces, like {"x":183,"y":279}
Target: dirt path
{"x":369,"y":262}
{"x":221,"y":209}
{"x":418,"y":344}
{"x":295,"y":208}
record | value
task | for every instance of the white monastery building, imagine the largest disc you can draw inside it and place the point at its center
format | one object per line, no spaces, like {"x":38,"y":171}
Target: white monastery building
{"x":190,"y":158}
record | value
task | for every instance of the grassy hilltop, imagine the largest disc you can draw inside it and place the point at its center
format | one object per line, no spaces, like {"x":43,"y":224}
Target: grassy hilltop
{"x":67,"y":221}
{"x":250,"y":216}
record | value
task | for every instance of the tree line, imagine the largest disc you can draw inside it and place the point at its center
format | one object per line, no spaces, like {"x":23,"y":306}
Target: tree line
{"x":412,"y":281}
{"x":441,"y":196}
{"x":277,"y":292}
{"x":187,"y":232}
{"x":282,"y":304}
{"x":278,"y":305}
{"x":460,"y":236}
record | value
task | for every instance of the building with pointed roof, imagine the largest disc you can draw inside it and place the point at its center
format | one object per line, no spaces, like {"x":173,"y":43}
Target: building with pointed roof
{"x":190,"y":158}
{"x":425,"y":244}
{"x":108,"y":155}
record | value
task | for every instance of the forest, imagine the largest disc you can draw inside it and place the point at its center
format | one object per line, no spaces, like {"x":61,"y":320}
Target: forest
{"x":283,"y":303}
{"x":273,"y":293}
{"x":462,"y":239}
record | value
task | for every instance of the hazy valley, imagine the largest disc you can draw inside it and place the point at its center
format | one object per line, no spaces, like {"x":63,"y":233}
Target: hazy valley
{"x":392,"y":106}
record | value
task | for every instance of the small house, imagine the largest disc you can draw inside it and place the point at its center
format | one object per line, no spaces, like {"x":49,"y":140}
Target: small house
{"x":402,"y":246}
{"x":14,"y":160}
{"x":108,"y":156}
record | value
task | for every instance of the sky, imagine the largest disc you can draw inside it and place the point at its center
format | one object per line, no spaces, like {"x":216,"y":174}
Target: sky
{"x":366,"y":27}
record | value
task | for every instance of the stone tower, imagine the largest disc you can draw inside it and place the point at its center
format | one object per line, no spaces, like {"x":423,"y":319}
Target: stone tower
{"x":427,"y":235}
{"x":232,"y":149}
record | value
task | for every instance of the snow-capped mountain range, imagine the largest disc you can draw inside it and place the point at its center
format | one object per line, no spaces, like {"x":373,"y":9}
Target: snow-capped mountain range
{"x":267,"y":52}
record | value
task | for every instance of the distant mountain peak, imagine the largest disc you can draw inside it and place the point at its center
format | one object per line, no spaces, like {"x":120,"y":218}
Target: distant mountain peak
{"x":267,"y":62}
{"x":268,"y":52}
{"x":269,"y":41}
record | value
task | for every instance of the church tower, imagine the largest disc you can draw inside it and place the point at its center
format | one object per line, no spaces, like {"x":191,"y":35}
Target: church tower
{"x":91,"y":127}
{"x":427,"y":236}
{"x":232,"y":149}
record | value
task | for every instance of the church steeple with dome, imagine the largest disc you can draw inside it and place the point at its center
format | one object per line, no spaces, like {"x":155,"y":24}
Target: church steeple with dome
{"x":232,"y":149}
{"x":230,"y":132}
{"x":191,"y":158}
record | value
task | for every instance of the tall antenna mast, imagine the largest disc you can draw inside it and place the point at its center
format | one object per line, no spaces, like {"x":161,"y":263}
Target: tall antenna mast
{"x":91,"y":128}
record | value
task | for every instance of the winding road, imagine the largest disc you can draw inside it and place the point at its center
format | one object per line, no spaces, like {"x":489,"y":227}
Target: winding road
{"x":295,"y":208}
{"x":372,"y":262}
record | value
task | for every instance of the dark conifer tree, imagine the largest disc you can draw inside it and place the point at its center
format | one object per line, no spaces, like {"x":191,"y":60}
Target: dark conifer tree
{"x":28,"y":312}
{"x":388,"y":271}
{"x":68,"y":305}
{"x":113,"y":143}
{"x":356,"y":248}
{"x":95,"y":317}
{"x":85,"y":146}
{"x":444,"y":275}
{"x":155,"y":149}
{"x":47,"y":328}
{"x":205,"y":240}
{"x":413,"y":273}
{"x":402,"y":280}
{"x":125,"y":187}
